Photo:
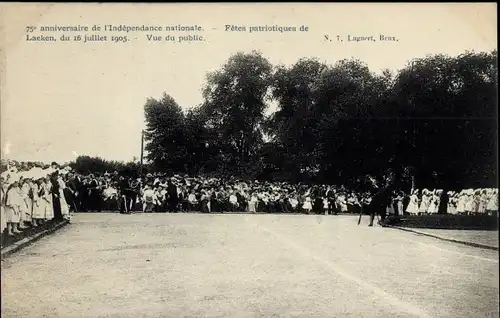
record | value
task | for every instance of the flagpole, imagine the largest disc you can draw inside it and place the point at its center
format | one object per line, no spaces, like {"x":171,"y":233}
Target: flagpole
{"x":142,"y":151}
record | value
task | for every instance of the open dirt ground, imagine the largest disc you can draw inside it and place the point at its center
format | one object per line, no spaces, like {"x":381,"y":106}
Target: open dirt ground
{"x":241,"y":265}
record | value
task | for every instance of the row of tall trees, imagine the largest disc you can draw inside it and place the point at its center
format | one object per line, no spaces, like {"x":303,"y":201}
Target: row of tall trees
{"x":98,"y":166}
{"x":435,"y":119}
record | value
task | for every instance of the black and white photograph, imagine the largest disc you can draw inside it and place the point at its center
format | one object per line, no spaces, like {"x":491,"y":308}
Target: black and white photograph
{"x":249,"y":160}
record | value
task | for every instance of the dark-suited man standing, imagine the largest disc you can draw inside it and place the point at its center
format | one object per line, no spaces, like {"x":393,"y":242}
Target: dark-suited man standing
{"x":126,"y":195}
{"x":173,"y":197}
{"x":56,"y":201}
{"x":71,"y":192}
{"x":379,"y":203}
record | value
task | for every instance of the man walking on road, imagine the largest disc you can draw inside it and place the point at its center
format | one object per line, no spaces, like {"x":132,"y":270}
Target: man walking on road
{"x":379,"y":203}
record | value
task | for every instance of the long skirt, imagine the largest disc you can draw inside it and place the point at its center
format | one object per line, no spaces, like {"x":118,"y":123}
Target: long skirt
{"x":13,"y":214}
{"x":482,"y":207}
{"x":451,"y":209}
{"x":412,"y":208}
{"x":3,"y":219}
{"x":28,"y":210}
{"x":307,"y":206}
{"x":492,"y":204}
{"x":469,"y":206}
{"x":343,"y":208}
{"x":39,"y":209}
{"x":22,"y":211}
{"x":148,"y":206}
{"x":400,"y":208}
{"x":64,"y":204}
{"x":251,"y":206}
{"x":49,"y":209}
{"x":424,"y":206}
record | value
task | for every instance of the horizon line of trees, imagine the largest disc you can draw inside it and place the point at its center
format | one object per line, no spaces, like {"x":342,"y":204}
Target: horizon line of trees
{"x":435,"y":120}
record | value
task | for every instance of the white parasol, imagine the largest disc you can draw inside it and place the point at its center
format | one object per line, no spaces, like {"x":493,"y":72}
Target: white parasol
{"x":65,"y":170}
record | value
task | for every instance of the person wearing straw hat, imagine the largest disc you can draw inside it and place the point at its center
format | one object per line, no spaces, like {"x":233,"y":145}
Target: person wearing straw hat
{"x":307,"y":205}
{"x":12,"y":208}
{"x":435,"y":201}
{"x":412,"y":208}
{"x":148,"y":199}
{"x":26,"y":208}
{"x":425,"y":202}
{"x":469,"y":201}
{"x":49,"y":207}
{"x":65,"y":213}
{"x":38,"y":215}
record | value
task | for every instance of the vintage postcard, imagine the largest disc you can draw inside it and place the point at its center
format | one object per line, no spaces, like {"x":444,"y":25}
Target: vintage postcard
{"x":249,"y":160}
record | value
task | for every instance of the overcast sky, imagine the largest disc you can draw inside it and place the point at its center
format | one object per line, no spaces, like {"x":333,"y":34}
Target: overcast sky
{"x":63,"y":99}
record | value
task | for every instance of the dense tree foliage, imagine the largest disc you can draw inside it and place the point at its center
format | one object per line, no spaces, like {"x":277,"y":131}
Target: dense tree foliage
{"x":99,"y":166}
{"x":435,"y":119}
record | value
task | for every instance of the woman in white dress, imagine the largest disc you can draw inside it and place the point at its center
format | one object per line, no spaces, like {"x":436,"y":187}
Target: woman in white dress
{"x":29,"y":200}
{"x":252,"y":203}
{"x":342,"y":202}
{"x":233,"y":201}
{"x":426,"y":200}
{"x":12,"y":208}
{"x":469,"y":201}
{"x":64,"y":205}
{"x":456,"y":202}
{"x":492,"y":206}
{"x":38,"y":215}
{"x":412,"y":207}
{"x":477,"y":201}
{"x":307,"y":206}
{"x":432,"y":198}
{"x":483,"y":201}
{"x":399,"y":203}
{"x":460,"y":198}
{"x":25,"y":208}
{"x":148,"y":199}
{"x":47,"y":197}
{"x":325,"y":205}
{"x":450,"y":207}
{"x":435,"y":201}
